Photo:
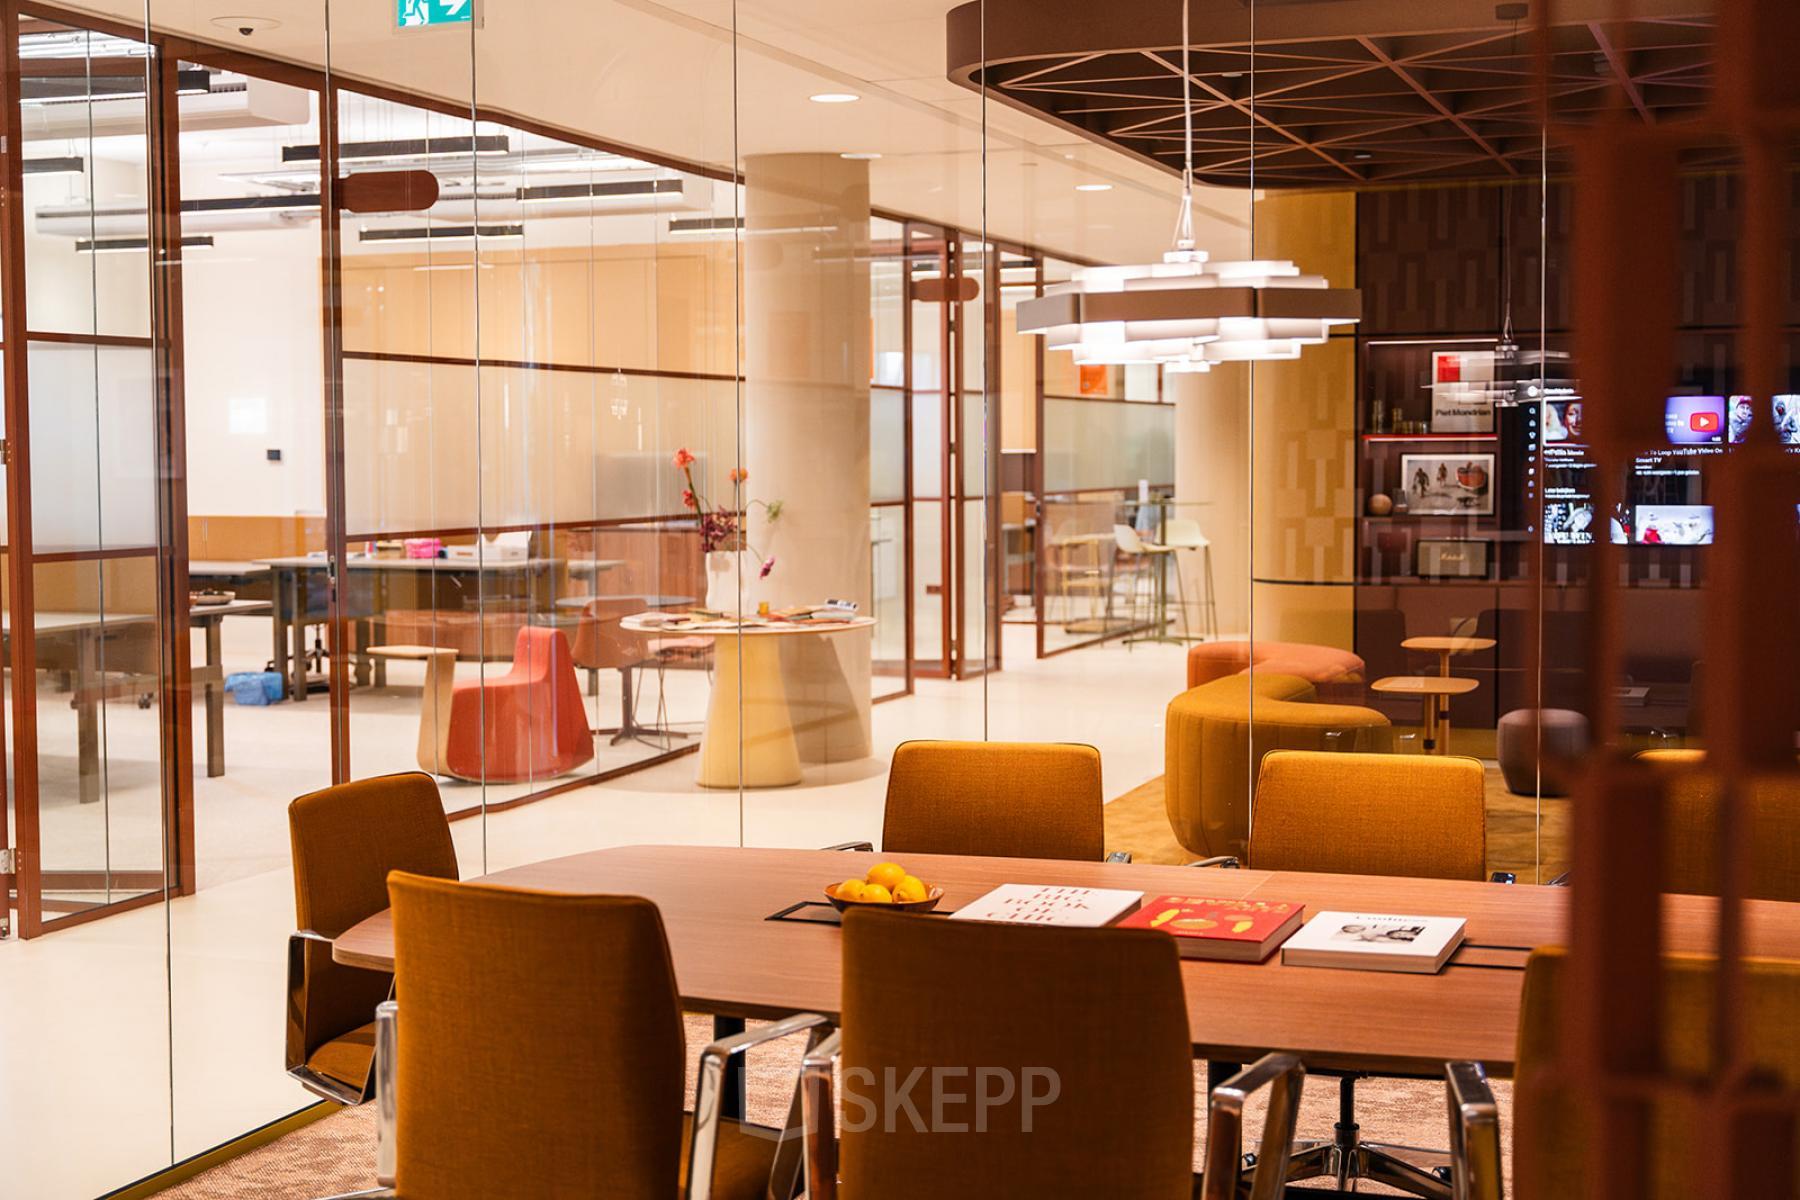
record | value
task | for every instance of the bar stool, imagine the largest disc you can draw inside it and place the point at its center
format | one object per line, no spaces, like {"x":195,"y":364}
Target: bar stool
{"x":1140,"y":553}
{"x":1183,"y":534}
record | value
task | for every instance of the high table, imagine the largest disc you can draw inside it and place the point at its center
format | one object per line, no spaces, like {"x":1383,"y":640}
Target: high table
{"x":1444,"y":647}
{"x":1436,"y":691}
{"x":748,"y":707}
{"x":731,"y":962}
{"x":86,"y":632}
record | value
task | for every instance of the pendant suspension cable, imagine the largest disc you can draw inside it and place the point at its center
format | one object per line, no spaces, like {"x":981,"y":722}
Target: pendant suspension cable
{"x":1184,"y":218}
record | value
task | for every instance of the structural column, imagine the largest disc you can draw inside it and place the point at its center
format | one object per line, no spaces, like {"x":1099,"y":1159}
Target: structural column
{"x":806,"y":424}
{"x":1212,"y":488}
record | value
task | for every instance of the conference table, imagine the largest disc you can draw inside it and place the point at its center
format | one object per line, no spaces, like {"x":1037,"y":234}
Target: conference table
{"x":732,"y":962}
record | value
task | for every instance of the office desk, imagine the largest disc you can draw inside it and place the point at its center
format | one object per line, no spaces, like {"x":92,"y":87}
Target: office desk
{"x":87,"y":631}
{"x":731,"y":962}
{"x":291,"y":577}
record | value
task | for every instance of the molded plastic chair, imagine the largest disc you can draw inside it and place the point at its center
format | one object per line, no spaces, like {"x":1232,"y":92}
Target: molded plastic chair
{"x":345,"y":841}
{"x":537,"y":1050}
{"x":530,"y":723}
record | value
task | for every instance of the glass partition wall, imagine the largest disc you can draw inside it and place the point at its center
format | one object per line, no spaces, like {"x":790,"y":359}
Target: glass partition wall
{"x":388,"y":392}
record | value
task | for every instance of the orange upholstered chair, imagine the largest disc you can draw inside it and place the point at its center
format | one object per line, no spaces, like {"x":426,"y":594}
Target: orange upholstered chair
{"x":530,"y":723}
{"x":1000,"y":799}
{"x":345,"y":841}
{"x":535,"y":1048}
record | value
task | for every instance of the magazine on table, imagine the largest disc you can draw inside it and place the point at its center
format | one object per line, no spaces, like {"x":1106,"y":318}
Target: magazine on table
{"x":1050,"y":904}
{"x":1374,"y":942}
{"x":1226,"y":930}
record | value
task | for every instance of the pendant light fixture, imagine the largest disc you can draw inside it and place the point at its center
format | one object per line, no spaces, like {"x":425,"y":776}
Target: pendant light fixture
{"x":1185,"y":312}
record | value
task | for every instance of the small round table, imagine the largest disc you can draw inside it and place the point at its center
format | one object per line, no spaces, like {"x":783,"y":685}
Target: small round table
{"x":748,"y":706}
{"x":1435,"y":691}
{"x":1444,"y":647}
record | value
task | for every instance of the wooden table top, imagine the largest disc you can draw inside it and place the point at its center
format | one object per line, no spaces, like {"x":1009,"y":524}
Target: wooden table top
{"x":730,"y":961}
{"x":1425,"y":685}
{"x":1450,"y":645}
{"x":637,"y":624}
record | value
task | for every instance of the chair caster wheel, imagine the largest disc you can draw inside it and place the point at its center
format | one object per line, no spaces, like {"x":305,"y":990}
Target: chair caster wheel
{"x":1443,"y":1173}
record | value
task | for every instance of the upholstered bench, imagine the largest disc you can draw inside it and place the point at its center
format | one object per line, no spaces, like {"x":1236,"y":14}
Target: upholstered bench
{"x":1337,"y":675}
{"x":1216,"y":735}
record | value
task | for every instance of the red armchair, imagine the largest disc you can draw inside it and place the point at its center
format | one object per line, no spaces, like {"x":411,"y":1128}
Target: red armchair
{"x":530,"y":723}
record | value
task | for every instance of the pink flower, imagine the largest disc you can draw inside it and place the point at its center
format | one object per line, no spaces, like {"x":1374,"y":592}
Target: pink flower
{"x":768,"y":565}
{"x":687,"y":498}
{"x":739,"y":474}
{"x":683,"y":459}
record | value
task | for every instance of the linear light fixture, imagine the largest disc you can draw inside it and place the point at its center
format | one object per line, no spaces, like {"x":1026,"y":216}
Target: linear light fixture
{"x":617,"y":190}
{"x":704,"y":226}
{"x":69,"y":165}
{"x":1184,"y":312}
{"x":129,"y":245}
{"x":440,"y":233}
{"x":444,"y":147}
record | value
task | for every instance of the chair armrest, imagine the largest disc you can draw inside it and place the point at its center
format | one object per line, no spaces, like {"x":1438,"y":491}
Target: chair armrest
{"x":868,"y":847}
{"x":1218,"y":860}
{"x":387,"y":1107}
{"x":294,"y":1049}
{"x":709,"y":1095}
{"x":1503,"y":877}
{"x":819,"y":1117}
{"x":1119,"y":856}
{"x":1284,"y":1076}
{"x":1475,"y":1171}
{"x":1560,"y":881}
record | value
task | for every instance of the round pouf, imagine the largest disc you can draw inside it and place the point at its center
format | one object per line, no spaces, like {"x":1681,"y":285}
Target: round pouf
{"x":1565,"y":735}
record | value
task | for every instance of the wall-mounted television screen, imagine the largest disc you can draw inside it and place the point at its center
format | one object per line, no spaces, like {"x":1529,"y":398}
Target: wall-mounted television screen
{"x":1673,"y":525}
{"x":1695,"y":420}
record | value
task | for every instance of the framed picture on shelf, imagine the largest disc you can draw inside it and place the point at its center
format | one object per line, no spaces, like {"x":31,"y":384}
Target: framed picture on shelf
{"x":1453,"y":484}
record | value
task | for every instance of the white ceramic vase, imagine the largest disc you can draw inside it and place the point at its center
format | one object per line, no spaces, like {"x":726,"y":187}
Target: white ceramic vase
{"x":727,"y":582}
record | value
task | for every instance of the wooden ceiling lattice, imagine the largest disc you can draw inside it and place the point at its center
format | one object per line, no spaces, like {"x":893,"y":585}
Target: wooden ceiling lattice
{"x":1350,"y":109}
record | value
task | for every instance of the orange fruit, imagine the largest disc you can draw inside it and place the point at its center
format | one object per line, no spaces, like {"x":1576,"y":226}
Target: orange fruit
{"x":887,"y":874}
{"x":876,"y":894}
{"x":910,"y":889}
{"x":850,"y":889}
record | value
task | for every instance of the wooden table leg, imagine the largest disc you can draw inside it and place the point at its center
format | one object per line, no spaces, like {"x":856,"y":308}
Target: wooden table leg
{"x":434,"y":712}
{"x":760,"y":724}
{"x":278,"y":621}
{"x":215,"y":701}
{"x":297,"y":632}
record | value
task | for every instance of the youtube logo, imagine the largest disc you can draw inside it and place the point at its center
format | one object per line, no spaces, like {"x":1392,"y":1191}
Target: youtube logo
{"x":1703,"y":422}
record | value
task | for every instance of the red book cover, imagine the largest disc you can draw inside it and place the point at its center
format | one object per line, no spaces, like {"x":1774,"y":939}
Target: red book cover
{"x":1245,"y":930}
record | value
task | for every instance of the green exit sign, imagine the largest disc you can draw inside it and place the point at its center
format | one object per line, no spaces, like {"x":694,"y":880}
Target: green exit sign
{"x":417,"y":14}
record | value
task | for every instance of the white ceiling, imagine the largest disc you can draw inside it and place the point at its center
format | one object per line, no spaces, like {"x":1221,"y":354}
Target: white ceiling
{"x":660,"y":77}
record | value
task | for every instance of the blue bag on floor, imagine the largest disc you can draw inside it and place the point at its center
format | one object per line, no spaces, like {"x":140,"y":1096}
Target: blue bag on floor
{"x":255,"y":688}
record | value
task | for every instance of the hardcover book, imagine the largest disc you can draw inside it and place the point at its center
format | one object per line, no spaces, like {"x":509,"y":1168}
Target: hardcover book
{"x":1230,"y":930}
{"x":1048,"y":904}
{"x":1375,"y":942}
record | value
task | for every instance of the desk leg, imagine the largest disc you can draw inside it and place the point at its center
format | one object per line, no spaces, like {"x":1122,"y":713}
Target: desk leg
{"x":215,"y":702}
{"x":278,"y":622}
{"x":87,"y":716}
{"x":297,"y":633}
{"x":734,"y":1096}
{"x":770,"y":756}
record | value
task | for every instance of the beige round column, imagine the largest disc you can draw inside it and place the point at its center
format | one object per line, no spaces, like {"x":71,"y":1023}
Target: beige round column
{"x":1212,"y":488}
{"x":806,"y":424}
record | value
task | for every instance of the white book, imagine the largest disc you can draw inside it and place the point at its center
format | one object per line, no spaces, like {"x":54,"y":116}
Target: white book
{"x":1049,"y":904}
{"x":1374,"y":942}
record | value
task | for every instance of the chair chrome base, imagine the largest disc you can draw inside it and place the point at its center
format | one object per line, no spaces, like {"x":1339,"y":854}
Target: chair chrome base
{"x":1412,"y":1171}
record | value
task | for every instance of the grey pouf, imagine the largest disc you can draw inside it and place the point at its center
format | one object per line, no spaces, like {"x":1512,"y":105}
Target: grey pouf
{"x":1564,"y":735}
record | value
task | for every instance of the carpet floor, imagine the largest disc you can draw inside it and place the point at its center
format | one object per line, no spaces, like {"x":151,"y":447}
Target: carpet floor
{"x":337,"y":1154}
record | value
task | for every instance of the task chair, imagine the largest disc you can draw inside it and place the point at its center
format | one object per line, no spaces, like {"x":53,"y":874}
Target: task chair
{"x":996,"y":800}
{"x":1546,"y":1116}
{"x":345,"y":841}
{"x":556,"y":1067}
{"x":1064,"y":1097}
{"x":1422,"y":816}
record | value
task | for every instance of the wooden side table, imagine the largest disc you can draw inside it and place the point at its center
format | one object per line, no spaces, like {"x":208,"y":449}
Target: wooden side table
{"x":1444,"y":647}
{"x":1435,"y":691}
{"x":434,"y":703}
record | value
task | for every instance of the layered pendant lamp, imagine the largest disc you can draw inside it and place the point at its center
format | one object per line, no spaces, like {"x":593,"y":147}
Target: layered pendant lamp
{"x":1186,"y":313}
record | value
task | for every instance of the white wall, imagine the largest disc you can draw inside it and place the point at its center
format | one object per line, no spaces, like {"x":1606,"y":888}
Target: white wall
{"x":255,"y":374}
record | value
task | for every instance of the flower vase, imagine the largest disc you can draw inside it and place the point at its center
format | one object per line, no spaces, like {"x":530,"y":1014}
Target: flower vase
{"x":725,"y":580}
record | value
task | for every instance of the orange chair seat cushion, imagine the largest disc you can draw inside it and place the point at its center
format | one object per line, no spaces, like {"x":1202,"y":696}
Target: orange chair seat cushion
{"x":742,"y":1158}
{"x":1208,"y":661}
{"x":346,"y":1058}
{"x":530,"y":723}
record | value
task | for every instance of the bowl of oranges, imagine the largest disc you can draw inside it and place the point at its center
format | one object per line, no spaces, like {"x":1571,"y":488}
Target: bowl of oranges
{"x":887,"y":885}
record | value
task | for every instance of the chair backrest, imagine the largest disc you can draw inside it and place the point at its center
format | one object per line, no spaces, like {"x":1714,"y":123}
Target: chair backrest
{"x":1184,"y":532}
{"x":601,"y":642}
{"x":1691,"y":827}
{"x":1127,"y":539}
{"x":1370,"y":814}
{"x":345,"y":841}
{"x":540,"y":1044}
{"x":1001,"y":799}
{"x":1065,"y":1052}
{"x":1547,"y":1118}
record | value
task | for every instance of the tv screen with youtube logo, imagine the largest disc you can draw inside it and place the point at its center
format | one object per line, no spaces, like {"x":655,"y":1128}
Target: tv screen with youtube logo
{"x":1695,"y":420}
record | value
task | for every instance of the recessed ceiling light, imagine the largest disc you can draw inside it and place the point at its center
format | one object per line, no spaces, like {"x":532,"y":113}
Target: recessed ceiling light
{"x":1093,"y":187}
{"x":834,"y":97}
{"x":1362,"y":156}
{"x":860,"y":155}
